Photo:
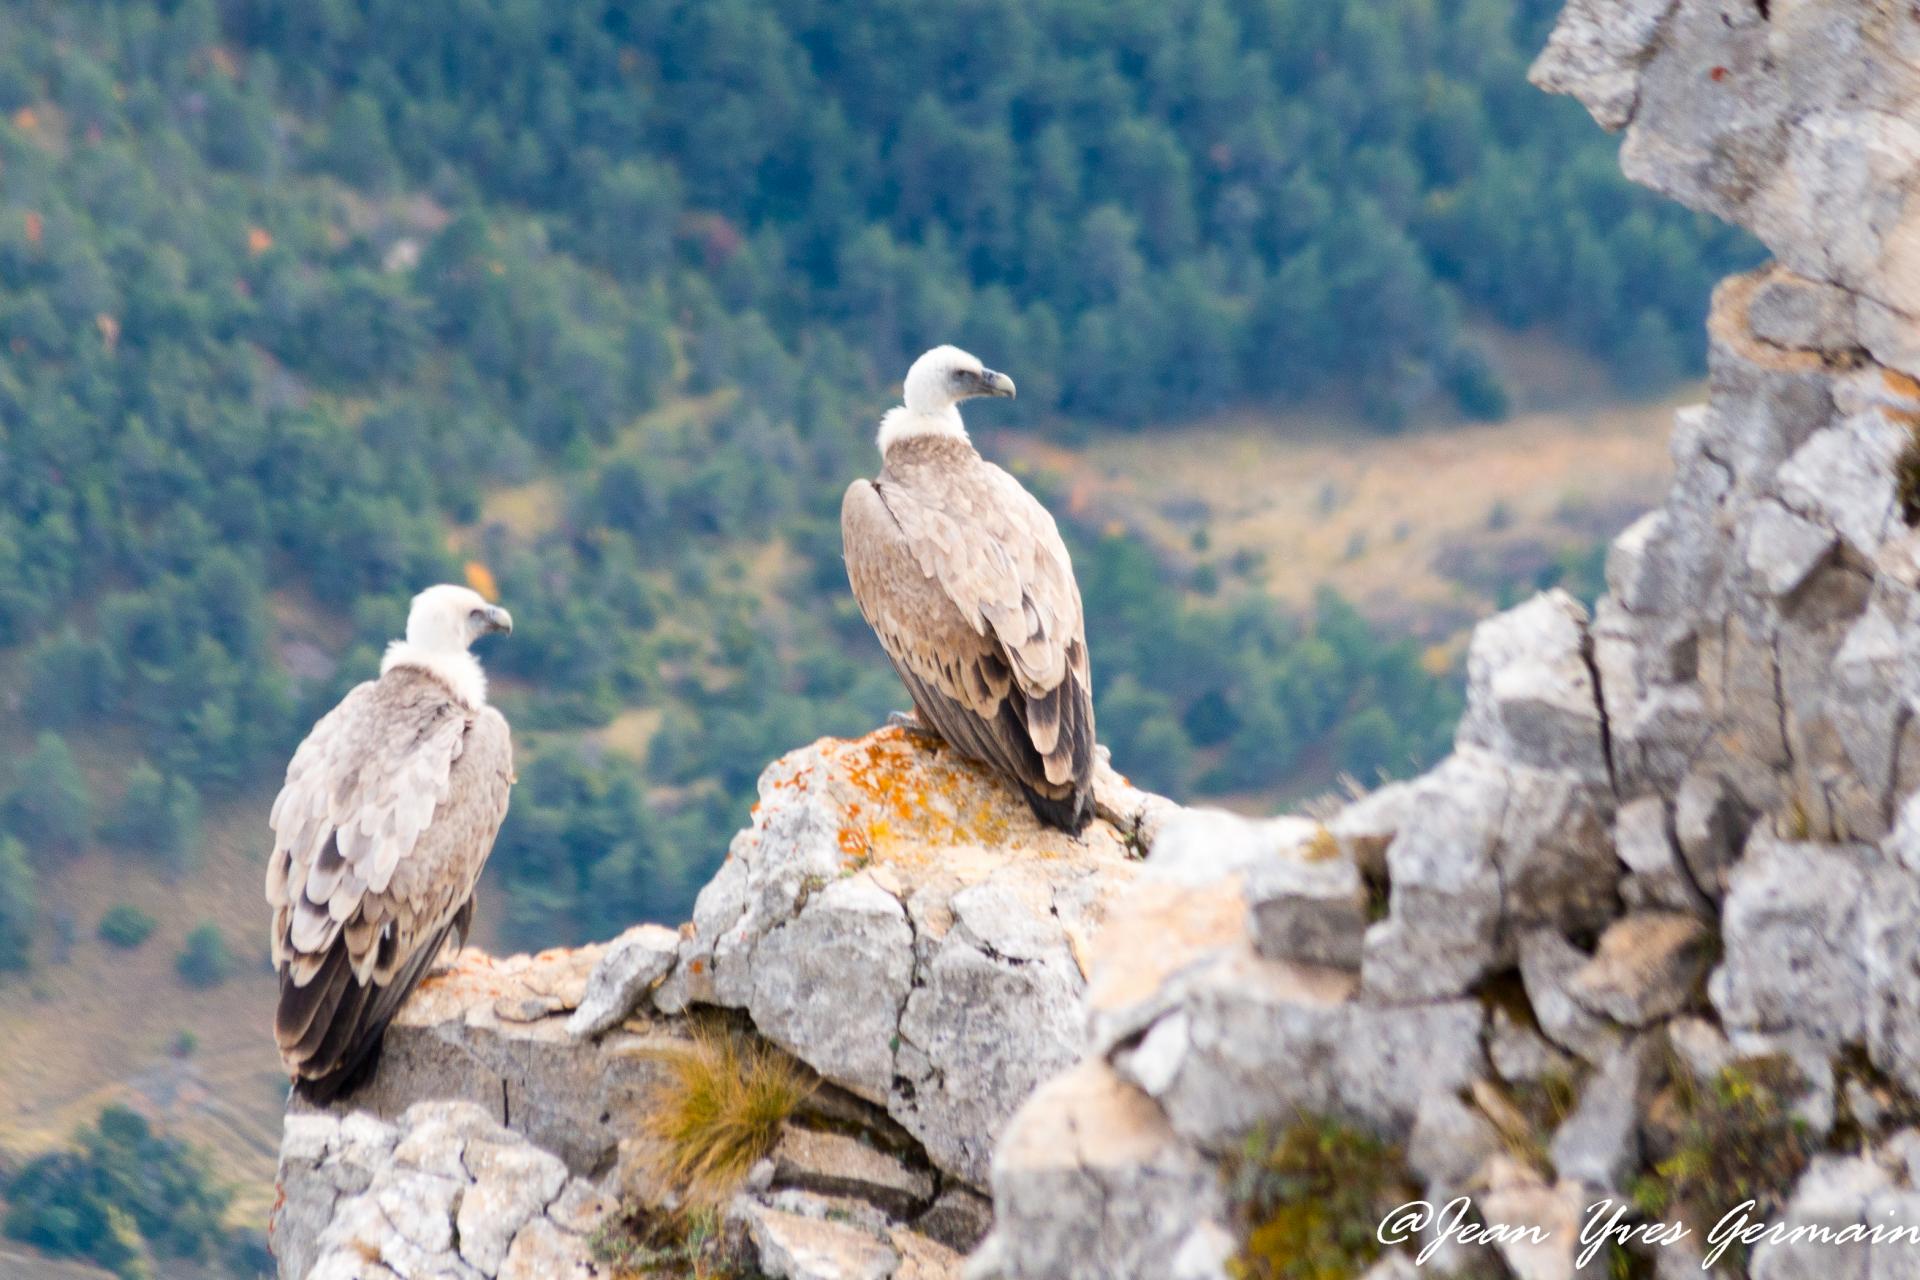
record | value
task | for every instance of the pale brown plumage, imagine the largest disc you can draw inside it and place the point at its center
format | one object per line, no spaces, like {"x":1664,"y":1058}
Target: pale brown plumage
{"x":964,"y":578}
{"x":389,"y":810}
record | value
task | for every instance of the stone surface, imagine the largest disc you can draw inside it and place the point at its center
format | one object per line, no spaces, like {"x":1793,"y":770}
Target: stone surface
{"x":1518,"y":1197}
{"x":896,"y":919}
{"x":1792,"y":311}
{"x":1092,"y":1180}
{"x":1443,"y":931}
{"x":1648,"y":966}
{"x":794,"y":1247}
{"x":1795,"y":942}
{"x":623,"y":976}
{"x":838,"y":1164}
{"x":1783,"y":548}
{"x":1308,"y":904}
{"x":443,"y":1191}
{"x":1212,"y":1064}
{"x":1450,"y":1143}
{"x":1548,"y":966}
{"x":1658,"y":877}
{"x":1710,"y":824}
{"x":1871,"y":1189}
{"x":1530,"y":690}
{"x":1598,"y":1144}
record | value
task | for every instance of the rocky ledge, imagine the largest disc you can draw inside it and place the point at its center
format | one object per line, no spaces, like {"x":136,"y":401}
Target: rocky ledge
{"x":1648,"y":934}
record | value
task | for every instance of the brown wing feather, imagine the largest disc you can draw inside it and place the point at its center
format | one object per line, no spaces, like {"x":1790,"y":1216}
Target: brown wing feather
{"x":389,"y":810}
{"x":964,"y":578}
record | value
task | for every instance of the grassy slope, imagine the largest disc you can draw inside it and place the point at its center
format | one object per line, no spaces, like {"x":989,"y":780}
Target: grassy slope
{"x":1387,"y":520}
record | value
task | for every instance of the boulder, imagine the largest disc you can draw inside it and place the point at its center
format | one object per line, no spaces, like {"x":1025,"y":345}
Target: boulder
{"x":1090,"y":1179}
{"x":896,"y":919}
{"x":1648,"y":966}
{"x":1795,"y":942}
{"x":624,"y":976}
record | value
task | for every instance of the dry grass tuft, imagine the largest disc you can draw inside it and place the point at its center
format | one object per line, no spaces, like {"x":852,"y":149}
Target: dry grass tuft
{"x":719,"y":1110}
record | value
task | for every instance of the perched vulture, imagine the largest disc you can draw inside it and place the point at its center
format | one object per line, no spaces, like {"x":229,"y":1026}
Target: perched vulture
{"x":388,"y":813}
{"x":963,"y":576}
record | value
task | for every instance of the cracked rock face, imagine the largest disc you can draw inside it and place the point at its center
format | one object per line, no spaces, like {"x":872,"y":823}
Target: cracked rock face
{"x":896,"y":919}
{"x":495,"y":1142}
{"x":443,"y":1191}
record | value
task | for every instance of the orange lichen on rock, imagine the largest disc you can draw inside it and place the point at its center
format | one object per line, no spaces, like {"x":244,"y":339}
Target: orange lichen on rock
{"x":906,"y":798}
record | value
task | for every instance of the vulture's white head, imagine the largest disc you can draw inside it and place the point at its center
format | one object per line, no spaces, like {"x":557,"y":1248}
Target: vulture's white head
{"x":442,"y":622}
{"x":936,"y":384}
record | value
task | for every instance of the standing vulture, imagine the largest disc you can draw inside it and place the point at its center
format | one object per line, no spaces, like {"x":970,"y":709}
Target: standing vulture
{"x":963,"y":576}
{"x":388,"y":813}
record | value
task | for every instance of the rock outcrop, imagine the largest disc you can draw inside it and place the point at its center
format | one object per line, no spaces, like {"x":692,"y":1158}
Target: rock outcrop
{"x":897,"y":920}
{"x":1653,"y":927}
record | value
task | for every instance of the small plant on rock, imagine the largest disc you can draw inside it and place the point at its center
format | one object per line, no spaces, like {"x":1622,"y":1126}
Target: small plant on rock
{"x":1729,"y":1140}
{"x":1309,"y":1201}
{"x":719,"y":1109}
{"x":638,"y":1243}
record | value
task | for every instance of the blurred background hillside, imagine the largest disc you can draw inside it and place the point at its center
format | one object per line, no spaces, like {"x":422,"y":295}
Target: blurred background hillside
{"x":1331,"y":335}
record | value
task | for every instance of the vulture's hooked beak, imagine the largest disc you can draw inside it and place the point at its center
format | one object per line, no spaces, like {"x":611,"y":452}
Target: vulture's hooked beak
{"x":498,"y":621}
{"x":994,"y":383}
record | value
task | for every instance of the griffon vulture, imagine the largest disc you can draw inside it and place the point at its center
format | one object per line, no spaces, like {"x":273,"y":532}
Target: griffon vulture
{"x":389,"y":811}
{"x":963,"y":576}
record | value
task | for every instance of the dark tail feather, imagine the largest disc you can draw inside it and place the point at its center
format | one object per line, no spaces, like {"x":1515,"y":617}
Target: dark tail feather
{"x":1070,"y":813}
{"x":324,"y":1090}
{"x":345,"y":1055}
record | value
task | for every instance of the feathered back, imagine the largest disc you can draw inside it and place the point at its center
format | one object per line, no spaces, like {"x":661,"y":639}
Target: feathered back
{"x":966,"y":581}
{"x":389,"y":811}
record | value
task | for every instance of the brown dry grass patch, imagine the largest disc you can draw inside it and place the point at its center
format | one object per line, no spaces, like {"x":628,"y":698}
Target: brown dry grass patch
{"x":718,"y":1110}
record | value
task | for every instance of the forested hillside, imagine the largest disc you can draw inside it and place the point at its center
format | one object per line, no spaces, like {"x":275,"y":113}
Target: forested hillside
{"x":307,"y":303}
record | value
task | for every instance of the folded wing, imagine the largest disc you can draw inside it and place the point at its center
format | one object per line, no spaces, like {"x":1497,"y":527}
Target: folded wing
{"x":969,"y":587}
{"x":389,"y":810}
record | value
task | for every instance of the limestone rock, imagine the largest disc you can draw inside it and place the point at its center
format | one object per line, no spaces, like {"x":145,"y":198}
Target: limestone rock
{"x":1365,"y":828}
{"x":1792,"y":311}
{"x":1517,"y":1197}
{"x":443,"y":1191}
{"x":958,"y":1218}
{"x":1659,"y":878}
{"x":1783,"y":548}
{"x":1308,"y":904}
{"x":1090,"y":1179}
{"x":1450,"y":1143}
{"x":1598,"y":1144}
{"x":1648,"y":966}
{"x":1596,"y":53}
{"x":1892,"y":962}
{"x":896,"y":919}
{"x":1871,"y":1189}
{"x":1795,"y":943}
{"x":513,"y":1181}
{"x":794,"y":1247}
{"x":837,"y":1164}
{"x":1843,"y":476}
{"x":1519,"y":1052}
{"x":624,"y":974}
{"x":1213,"y":1065}
{"x":1548,"y":965}
{"x":1443,"y":931}
{"x":1531,"y":698}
